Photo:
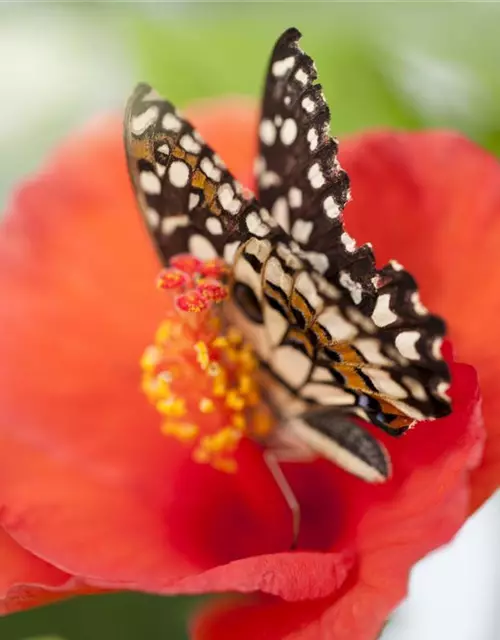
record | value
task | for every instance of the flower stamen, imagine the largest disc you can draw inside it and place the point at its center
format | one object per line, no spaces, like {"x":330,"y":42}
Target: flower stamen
{"x":199,"y":377}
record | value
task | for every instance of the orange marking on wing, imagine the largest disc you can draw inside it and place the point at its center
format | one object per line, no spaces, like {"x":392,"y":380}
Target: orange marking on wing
{"x":198,"y":179}
{"x":142,"y":149}
{"x":297,"y":336}
{"x":179,"y":153}
{"x":298,"y":302}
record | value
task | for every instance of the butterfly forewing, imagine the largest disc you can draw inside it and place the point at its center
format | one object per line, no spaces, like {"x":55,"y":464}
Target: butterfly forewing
{"x":189,"y":200}
{"x":298,"y":174}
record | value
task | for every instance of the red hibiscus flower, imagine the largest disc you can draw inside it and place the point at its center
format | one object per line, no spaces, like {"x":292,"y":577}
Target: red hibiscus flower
{"x":94,"y":497}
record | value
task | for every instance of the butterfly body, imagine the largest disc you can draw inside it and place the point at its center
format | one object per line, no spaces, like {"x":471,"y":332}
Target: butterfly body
{"x":334,"y":335}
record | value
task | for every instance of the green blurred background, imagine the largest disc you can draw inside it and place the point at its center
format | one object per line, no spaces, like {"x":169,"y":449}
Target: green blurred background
{"x":404,"y":65}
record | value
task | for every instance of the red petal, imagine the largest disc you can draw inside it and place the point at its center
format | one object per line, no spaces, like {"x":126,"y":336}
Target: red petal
{"x":86,"y":480}
{"x":431,"y":200}
{"x":25,"y":581}
{"x":265,"y":618}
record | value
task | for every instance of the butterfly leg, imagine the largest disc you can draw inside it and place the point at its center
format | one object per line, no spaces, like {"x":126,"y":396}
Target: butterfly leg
{"x":278,"y":452}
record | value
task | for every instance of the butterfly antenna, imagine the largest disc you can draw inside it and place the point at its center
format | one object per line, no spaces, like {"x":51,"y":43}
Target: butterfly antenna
{"x":272,"y":461}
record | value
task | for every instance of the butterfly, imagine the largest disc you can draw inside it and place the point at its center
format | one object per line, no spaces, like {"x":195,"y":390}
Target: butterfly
{"x":335,"y":337}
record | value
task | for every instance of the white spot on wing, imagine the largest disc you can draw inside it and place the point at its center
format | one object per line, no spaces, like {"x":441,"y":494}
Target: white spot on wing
{"x":318,"y":260}
{"x":370,"y":350}
{"x":281,"y":214}
{"x":354,"y":288}
{"x":312,"y":138}
{"x":227,"y":200}
{"x":308,"y":104}
{"x":385,"y":384}
{"x":230,"y":251}
{"x":436,"y":348}
{"x":348,"y":242}
{"x":178,"y":174}
{"x":210,"y":170}
{"x":164,"y":148}
{"x":214,"y":226}
{"x":301,"y":230}
{"x":269,"y":179}
{"x":171,"y":223}
{"x":306,"y":287}
{"x":330,"y":207}
{"x":160,"y":169}
{"x":405,"y":343}
{"x":194,"y":199}
{"x":171,"y":122}
{"x":150,"y":183}
{"x":291,"y":365}
{"x":301,"y":76}
{"x":416,"y":389}
{"x":267,"y":132}
{"x":153,"y":217}
{"x":382,"y":314}
{"x":256,"y":225}
{"x":442,"y":390}
{"x":276,"y":325}
{"x":327,"y":394}
{"x":316,"y":177}
{"x":225,"y":194}
{"x":259,"y":165}
{"x":144,"y":120}
{"x":189,"y":144}
{"x":418,"y":307}
{"x":295,"y":197}
{"x":280,"y":67}
{"x":288,"y":131}
{"x":201,"y":248}
{"x":336,"y":325}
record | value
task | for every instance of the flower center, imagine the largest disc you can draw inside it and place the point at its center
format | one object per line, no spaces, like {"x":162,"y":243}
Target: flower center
{"x":199,"y":373}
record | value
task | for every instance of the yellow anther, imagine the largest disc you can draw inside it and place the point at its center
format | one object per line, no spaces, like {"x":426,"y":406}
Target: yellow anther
{"x":149,"y":387}
{"x":227,"y":465}
{"x":253,"y":398}
{"x":238,"y":421}
{"x":223,"y":440}
{"x":181,"y":430}
{"x":245,"y":384}
{"x":234,"y":336}
{"x":172,"y":407}
{"x":202,"y":355}
{"x":155,"y":387}
{"x":234,"y":400}
{"x":213,"y":369}
{"x":247,"y":360}
{"x":220,"y":342}
{"x":151,"y":358}
{"x":220,"y":385}
{"x":207,"y":405}
{"x":232,"y":355}
{"x":262,"y":423}
{"x":164,"y":332}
